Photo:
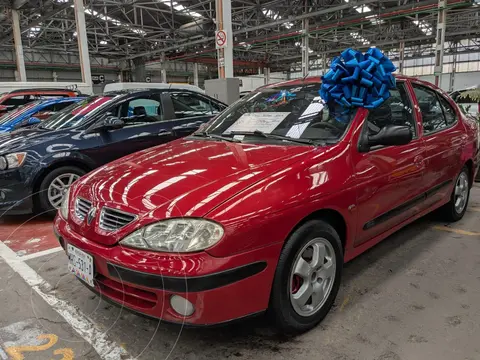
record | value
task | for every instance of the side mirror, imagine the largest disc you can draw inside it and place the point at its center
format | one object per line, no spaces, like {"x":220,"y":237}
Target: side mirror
{"x":391,"y":135}
{"x":27,"y":122}
{"x":33,"y":120}
{"x":110,"y":122}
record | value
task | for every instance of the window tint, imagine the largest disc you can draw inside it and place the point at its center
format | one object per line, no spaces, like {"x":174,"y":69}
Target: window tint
{"x":432,"y":113}
{"x":188,"y":104}
{"x":48,"y":108}
{"x":448,"y":111}
{"x":62,"y":105}
{"x":396,"y":110}
{"x":139,"y":111}
{"x":149,"y":107}
{"x":17,"y":100}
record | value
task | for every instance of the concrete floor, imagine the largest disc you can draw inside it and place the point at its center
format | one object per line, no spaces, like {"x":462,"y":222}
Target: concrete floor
{"x":414,"y":296}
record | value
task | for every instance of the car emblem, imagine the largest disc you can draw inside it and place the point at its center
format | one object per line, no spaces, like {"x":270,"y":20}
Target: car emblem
{"x":91,"y":215}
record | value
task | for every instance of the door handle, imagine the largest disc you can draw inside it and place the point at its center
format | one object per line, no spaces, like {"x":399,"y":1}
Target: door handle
{"x":164,"y":133}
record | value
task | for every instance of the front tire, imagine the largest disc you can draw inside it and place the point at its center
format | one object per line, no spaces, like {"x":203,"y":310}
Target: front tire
{"x":54,"y":186}
{"x":307,"y":278}
{"x":457,"y":206}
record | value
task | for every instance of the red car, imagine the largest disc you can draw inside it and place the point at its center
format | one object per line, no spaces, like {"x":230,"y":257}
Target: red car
{"x":260,"y":209}
{"x":13,"y":99}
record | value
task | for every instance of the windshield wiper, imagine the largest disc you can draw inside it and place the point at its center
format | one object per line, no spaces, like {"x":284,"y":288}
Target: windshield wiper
{"x":273,"y":136}
{"x":214,"y":136}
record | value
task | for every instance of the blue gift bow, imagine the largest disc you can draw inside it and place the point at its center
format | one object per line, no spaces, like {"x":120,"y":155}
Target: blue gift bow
{"x":359,"y":80}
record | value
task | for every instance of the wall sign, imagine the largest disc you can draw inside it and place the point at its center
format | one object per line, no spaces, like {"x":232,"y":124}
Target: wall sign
{"x":220,"y":39}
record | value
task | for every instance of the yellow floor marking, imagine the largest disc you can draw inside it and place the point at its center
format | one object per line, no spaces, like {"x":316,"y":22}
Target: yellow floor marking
{"x":456,"y":231}
{"x":473,"y":209}
{"x":66,"y":352}
{"x":345,"y":302}
{"x":16,"y":352}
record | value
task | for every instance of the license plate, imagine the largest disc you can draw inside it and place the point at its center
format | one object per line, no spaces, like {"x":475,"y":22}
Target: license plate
{"x":81,"y":264}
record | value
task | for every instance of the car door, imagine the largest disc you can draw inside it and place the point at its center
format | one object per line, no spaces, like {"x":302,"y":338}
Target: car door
{"x":388,"y":178}
{"x":188,"y":110}
{"x":143,"y":117}
{"x":443,"y":139}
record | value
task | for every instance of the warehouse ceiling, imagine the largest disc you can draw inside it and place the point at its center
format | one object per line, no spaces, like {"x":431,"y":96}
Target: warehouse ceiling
{"x":266,"y":32}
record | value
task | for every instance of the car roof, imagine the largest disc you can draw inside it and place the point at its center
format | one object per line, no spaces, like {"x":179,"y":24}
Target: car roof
{"x":42,"y":90}
{"x":146,"y":91}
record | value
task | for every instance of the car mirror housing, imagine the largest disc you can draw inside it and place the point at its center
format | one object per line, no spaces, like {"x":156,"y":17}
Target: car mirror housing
{"x":391,"y":135}
{"x":108,"y":123}
{"x":33,"y":120}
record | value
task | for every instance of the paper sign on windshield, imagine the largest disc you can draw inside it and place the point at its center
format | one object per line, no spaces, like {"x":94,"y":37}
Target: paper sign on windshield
{"x":262,"y":121}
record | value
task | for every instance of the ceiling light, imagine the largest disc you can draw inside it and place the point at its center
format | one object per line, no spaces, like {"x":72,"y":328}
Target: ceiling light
{"x":424,"y":26}
{"x":114,"y":21}
{"x":276,"y":16}
{"x":359,"y":38}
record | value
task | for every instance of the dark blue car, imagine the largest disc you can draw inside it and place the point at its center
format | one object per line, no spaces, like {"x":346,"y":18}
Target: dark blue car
{"x":38,"y":110}
{"x":40,"y":162}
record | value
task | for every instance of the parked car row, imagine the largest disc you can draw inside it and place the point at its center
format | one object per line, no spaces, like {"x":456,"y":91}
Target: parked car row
{"x":41,"y":161}
{"x":255,"y":212}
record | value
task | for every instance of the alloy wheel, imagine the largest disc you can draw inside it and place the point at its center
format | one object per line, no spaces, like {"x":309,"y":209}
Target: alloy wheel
{"x":312,"y":277}
{"x":461,"y":192}
{"x":58,"y":188}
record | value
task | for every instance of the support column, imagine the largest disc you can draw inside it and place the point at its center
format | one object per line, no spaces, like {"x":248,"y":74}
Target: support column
{"x":163,"y":71}
{"x":401,"y":57}
{"x":266,"y":75}
{"x":17,"y":38}
{"x":454,"y":67}
{"x":195,"y":74}
{"x":305,"y":45}
{"x":139,"y":72}
{"x":225,"y":54}
{"x":324,"y":63}
{"x":440,"y":42}
{"x":82,"y":42}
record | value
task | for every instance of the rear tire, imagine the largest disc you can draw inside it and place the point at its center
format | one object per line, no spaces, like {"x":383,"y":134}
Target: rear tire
{"x":54,"y":186}
{"x":457,"y":206}
{"x":310,"y":262}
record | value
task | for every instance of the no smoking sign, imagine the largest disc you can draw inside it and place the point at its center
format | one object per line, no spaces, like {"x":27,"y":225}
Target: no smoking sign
{"x":220,"y":39}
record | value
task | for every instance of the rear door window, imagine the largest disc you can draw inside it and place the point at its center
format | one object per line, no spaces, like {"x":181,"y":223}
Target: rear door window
{"x":448,"y":111}
{"x":186,"y":104}
{"x":433,"y":118}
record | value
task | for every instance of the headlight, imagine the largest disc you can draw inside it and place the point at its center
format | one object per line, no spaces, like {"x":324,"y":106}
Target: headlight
{"x":176,"y":235}
{"x":12,"y":161}
{"x":64,"y":206}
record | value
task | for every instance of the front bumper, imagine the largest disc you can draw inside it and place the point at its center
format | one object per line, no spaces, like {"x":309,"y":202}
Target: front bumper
{"x":221,"y":289}
{"x":15,"y":193}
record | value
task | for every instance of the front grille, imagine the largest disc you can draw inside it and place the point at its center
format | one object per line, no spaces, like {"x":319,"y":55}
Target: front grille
{"x":125,"y":294}
{"x":82,"y":207}
{"x":111,"y":219}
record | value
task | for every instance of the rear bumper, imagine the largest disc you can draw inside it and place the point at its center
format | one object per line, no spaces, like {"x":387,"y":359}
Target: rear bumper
{"x":221,"y":289}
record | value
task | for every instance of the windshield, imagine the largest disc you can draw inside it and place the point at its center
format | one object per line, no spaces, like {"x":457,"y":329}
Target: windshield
{"x":291,"y":112}
{"x":76,"y":114}
{"x":17,"y":112}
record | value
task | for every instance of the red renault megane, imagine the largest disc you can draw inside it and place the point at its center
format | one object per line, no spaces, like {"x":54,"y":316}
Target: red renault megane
{"x":260,"y":209}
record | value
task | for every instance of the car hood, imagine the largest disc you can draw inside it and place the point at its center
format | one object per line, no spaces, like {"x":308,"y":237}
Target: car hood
{"x":24,"y":139}
{"x":182,"y":178}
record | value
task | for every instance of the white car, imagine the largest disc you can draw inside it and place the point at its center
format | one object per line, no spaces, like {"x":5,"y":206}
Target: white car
{"x":468,"y":99}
